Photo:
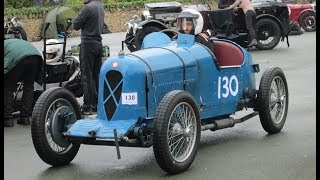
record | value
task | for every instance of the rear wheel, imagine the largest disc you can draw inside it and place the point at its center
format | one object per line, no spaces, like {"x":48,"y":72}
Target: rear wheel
{"x":55,"y":110}
{"x":268,"y":34}
{"x":143,"y":33}
{"x":308,"y":21}
{"x":177,"y":132}
{"x":273,"y":100}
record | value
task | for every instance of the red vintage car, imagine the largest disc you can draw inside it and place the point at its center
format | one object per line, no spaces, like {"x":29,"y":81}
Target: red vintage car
{"x":305,"y":14}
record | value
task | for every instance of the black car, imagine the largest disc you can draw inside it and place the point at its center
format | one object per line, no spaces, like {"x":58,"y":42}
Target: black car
{"x":272,"y":23}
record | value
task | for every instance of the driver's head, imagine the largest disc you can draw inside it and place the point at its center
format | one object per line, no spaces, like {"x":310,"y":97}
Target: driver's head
{"x":190,"y":21}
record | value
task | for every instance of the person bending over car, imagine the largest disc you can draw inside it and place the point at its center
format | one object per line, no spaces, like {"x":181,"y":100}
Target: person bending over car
{"x":250,"y":16}
{"x":22,"y":62}
{"x":190,"y":21}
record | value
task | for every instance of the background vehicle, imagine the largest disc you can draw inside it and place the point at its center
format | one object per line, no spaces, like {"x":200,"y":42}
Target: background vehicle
{"x":304,"y":14}
{"x":155,"y":17}
{"x":162,"y":96}
{"x":13,"y":28}
{"x":272,"y":23}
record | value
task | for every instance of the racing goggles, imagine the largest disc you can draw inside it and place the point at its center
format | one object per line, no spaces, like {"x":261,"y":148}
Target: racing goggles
{"x":186,"y":23}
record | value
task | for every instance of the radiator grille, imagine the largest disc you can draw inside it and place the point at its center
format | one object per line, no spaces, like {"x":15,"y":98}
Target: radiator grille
{"x":112,"y":92}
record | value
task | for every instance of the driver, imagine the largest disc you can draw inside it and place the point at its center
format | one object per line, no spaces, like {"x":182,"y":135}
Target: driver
{"x":53,"y":52}
{"x":190,"y":21}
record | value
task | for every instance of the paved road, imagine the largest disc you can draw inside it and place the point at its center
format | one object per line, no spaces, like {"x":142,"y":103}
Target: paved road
{"x":243,"y":152}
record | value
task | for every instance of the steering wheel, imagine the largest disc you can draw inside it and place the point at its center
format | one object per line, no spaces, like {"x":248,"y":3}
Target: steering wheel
{"x":169,"y":32}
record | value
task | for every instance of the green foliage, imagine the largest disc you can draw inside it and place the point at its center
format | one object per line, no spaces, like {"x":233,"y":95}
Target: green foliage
{"x":18,"y":3}
{"x":12,"y":10}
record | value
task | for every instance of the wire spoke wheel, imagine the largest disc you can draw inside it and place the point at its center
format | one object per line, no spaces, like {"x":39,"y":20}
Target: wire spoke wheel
{"x":176,"y":132}
{"x":273,"y":100}
{"x":54,"y":112}
{"x":277,"y":100}
{"x":181,"y":132}
{"x":268,"y":34}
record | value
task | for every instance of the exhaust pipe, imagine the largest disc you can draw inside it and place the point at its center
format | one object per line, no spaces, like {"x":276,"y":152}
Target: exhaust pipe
{"x":227,"y":122}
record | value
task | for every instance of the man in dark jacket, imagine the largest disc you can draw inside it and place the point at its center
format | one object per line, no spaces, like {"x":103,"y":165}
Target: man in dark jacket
{"x":22,"y":62}
{"x":90,"y":21}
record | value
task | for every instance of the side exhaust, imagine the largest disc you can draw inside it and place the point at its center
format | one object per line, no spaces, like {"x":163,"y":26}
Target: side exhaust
{"x":227,"y":122}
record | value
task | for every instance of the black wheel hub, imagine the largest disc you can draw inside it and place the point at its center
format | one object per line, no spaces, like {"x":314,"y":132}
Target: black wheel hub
{"x":61,"y":118}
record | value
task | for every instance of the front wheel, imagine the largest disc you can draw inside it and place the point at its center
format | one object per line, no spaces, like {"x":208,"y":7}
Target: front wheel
{"x":55,"y":111}
{"x":176,"y":132}
{"x":268,"y":34}
{"x":143,"y":33}
{"x":308,"y":21}
{"x":273,"y":100}
{"x":130,"y":45}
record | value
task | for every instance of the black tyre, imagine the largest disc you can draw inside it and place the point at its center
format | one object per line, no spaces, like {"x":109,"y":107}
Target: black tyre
{"x":131,"y":46}
{"x":177,"y":132}
{"x":273,"y":100}
{"x":142,"y":33}
{"x":268,"y":34}
{"x":22,"y":33}
{"x":54,"y":111}
{"x":308,"y":21}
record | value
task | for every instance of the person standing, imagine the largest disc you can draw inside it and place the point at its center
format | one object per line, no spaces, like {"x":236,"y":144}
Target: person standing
{"x":22,"y":62}
{"x":90,"y":21}
{"x":250,"y":16}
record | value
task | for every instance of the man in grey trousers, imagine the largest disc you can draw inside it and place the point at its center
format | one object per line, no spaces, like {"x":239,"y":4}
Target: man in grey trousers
{"x":90,"y":21}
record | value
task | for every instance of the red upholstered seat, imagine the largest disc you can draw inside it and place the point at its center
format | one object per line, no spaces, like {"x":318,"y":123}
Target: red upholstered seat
{"x":227,"y":54}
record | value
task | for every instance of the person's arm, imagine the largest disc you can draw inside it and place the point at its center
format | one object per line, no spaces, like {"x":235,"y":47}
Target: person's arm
{"x":235,"y":4}
{"x":79,"y":22}
{"x":222,"y":4}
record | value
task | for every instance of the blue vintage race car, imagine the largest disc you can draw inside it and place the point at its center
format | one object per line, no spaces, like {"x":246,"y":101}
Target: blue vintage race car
{"x":162,"y":96}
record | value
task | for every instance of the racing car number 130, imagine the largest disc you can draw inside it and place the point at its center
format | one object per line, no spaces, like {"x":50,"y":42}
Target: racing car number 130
{"x":225,"y":86}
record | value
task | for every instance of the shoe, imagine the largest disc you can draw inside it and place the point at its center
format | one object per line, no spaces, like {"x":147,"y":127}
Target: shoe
{"x":94,"y":109}
{"x":24,"y":120}
{"x":253,"y":43}
{"x":8,"y":122}
{"x":86,"y":110}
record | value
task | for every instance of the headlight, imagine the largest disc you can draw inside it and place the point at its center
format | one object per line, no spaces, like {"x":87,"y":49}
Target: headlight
{"x":129,"y":26}
{"x":135,"y":26}
{"x":14,"y":21}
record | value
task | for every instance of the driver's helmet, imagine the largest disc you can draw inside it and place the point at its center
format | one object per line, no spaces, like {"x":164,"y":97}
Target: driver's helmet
{"x":190,"y":21}
{"x":53,"y":52}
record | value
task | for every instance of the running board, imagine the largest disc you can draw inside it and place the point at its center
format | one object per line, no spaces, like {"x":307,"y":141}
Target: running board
{"x":227,"y":122}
